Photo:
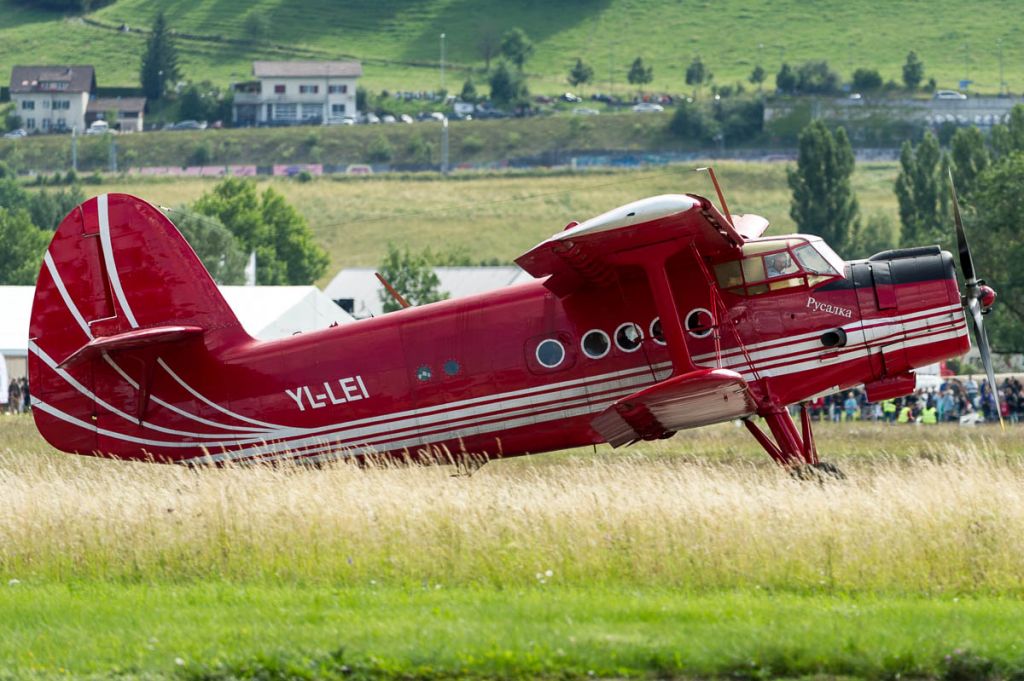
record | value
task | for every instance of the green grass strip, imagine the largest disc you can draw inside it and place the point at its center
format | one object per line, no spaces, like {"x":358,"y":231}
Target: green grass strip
{"x":221,"y":630}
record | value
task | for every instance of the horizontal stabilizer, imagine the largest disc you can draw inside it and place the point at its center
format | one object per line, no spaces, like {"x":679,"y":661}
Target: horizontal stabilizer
{"x":131,"y":340}
{"x":692,"y":399}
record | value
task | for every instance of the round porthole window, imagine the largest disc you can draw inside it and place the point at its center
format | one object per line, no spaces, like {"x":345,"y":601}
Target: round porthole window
{"x":700,"y":323}
{"x":550,"y":353}
{"x":628,"y":337}
{"x":656,"y":333}
{"x":596,"y":344}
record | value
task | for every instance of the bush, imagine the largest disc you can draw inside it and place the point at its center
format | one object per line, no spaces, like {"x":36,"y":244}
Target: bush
{"x":867,"y":80}
{"x":201,"y":155}
{"x":472,"y":144}
{"x":304,"y":176}
{"x":740,"y":120}
{"x":691,"y":122}
{"x":380,"y":150}
{"x":815,"y":77}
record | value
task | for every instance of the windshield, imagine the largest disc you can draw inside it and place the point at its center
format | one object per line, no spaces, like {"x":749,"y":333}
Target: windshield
{"x":813,"y":261}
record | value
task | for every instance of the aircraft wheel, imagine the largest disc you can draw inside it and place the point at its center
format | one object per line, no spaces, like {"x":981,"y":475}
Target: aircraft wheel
{"x":817,"y":472}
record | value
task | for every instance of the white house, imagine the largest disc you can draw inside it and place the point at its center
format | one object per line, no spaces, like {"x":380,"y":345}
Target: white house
{"x":52,"y":98}
{"x":124,"y":114}
{"x":357,"y":290}
{"x":266,"y":312}
{"x":294,"y":92}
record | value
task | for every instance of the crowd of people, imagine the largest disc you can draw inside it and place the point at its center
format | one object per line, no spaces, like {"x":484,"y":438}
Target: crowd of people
{"x":18,"y":397}
{"x":953,"y":400}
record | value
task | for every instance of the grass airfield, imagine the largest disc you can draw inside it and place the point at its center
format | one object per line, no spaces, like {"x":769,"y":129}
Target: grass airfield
{"x":688,"y":557}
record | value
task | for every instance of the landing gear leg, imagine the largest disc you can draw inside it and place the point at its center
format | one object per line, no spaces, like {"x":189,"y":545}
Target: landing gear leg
{"x":789,"y":447}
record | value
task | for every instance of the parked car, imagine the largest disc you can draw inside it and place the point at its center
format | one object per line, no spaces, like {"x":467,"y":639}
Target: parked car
{"x":15,"y":134}
{"x":570,"y":97}
{"x":347,"y":120}
{"x":405,"y":118}
{"x":98,"y":128}
{"x":187,"y":125}
{"x":584,"y":111}
{"x":647,"y":107}
{"x":371,"y":118}
{"x":949,"y":94}
{"x":388,"y":118}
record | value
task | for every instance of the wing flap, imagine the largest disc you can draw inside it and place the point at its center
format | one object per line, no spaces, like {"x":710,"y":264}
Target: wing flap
{"x":693,"y":399}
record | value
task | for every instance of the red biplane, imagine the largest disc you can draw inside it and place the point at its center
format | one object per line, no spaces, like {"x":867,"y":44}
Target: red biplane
{"x":660,"y":315}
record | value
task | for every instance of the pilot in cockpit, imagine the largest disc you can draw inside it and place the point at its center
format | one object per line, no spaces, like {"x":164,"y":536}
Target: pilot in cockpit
{"x":779,"y":264}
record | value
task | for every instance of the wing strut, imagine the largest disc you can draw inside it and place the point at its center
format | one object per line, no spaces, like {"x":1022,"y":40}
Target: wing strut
{"x":671,"y":323}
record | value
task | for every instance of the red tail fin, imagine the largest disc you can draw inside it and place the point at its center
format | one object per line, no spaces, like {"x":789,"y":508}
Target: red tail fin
{"x":117,"y":277}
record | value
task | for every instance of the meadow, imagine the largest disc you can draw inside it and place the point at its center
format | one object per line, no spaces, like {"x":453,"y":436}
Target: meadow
{"x":498,"y":216}
{"x":689,"y":557}
{"x":399,"y":40}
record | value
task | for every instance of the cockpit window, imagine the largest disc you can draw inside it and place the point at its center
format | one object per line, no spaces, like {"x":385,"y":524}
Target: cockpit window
{"x":813,"y":261}
{"x":776,"y":264}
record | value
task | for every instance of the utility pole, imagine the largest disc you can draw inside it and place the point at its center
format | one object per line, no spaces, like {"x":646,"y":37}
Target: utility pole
{"x":74,"y":148}
{"x":444,"y":146}
{"x":113,"y":152}
{"x":442,"y":62}
{"x":1002,"y":80}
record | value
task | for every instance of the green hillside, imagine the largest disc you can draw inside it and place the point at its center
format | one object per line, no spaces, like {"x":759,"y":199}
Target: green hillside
{"x":398,"y":40}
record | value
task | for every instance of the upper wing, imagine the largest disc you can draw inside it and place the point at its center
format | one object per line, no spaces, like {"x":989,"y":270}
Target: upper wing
{"x":693,"y":399}
{"x":585,"y":253}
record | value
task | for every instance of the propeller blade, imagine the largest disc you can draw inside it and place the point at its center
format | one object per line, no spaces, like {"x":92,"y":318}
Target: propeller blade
{"x":966,"y":262}
{"x":986,"y":356}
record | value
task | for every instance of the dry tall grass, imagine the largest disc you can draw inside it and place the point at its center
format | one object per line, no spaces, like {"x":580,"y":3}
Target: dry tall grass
{"x":951,"y":520}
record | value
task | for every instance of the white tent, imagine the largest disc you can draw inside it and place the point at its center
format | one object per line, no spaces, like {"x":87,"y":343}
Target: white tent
{"x":269,"y":312}
{"x":359,"y":291}
{"x":266,"y":312}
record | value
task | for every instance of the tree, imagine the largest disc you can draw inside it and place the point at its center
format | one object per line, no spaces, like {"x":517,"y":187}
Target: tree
{"x":921,"y":192}
{"x":823,"y":199}
{"x":640,"y":74}
{"x":516,"y":47}
{"x":283,"y":242}
{"x":816,"y":78}
{"x":866,"y":80}
{"x":785,"y":79}
{"x":412,"y":276}
{"x":757,"y":77}
{"x":969,"y":158}
{"x":216,"y":246}
{"x":1008,"y":138}
{"x":468,"y":93}
{"x":24,"y":245}
{"x":696,"y":74}
{"x":159,"y":70}
{"x":581,"y":73}
{"x":994,"y":214}
{"x":256,"y":26}
{"x":489,"y":44}
{"x":507,"y":88}
{"x":292,"y":241}
{"x":879,"y":234}
{"x":689,"y":121}
{"x":48,"y":209}
{"x":913,"y":71}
